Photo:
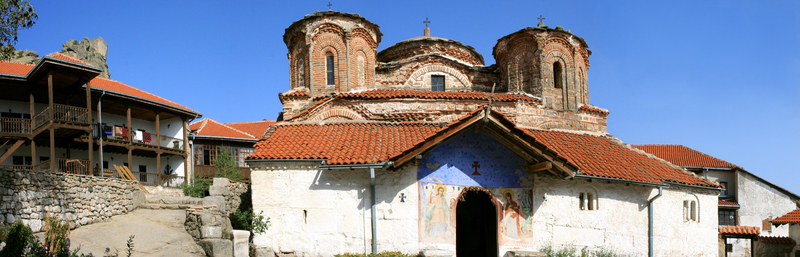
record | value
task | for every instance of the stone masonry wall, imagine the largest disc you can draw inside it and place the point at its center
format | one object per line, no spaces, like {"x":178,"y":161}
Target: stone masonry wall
{"x":81,"y":200}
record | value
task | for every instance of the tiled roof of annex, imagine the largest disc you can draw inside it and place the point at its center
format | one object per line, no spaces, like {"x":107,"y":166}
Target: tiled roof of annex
{"x":15,"y":68}
{"x":352,"y":142}
{"x":122,"y":88}
{"x":212,"y":128}
{"x":792,"y":217}
{"x":739,"y":230}
{"x":685,"y":156}
{"x":724,"y":203}
{"x":776,"y":240}
{"x":68,"y":58}
{"x":603,"y":157}
{"x":255,"y":128}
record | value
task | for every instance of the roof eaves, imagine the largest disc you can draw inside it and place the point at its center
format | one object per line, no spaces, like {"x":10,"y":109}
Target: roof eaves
{"x":150,"y":101}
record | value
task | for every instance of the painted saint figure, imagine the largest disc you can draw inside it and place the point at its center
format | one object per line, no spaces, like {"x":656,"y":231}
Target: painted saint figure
{"x":511,"y":215}
{"x":436,"y":214}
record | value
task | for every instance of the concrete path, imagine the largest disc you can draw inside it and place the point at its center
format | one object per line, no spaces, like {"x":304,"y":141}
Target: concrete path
{"x":157,"y":233}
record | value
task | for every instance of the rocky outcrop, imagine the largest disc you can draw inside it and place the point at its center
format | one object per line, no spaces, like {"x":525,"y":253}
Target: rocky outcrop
{"x":25,"y":56}
{"x":88,"y":50}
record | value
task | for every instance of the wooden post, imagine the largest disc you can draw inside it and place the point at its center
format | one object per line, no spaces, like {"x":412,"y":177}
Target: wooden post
{"x":185,"y":149}
{"x":130,"y":139}
{"x":158,"y":168}
{"x":52,"y":131}
{"x":33,"y":144}
{"x":91,"y":126}
{"x":158,"y":131}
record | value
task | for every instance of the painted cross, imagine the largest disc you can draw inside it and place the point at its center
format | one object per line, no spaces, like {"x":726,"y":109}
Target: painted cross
{"x":403,"y":197}
{"x":426,"y":22}
{"x":329,"y":6}
{"x":476,"y":166}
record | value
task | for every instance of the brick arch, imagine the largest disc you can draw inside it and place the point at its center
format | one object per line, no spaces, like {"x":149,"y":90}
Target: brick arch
{"x":337,"y":114}
{"x":418,"y":75}
{"x":323,"y":44}
{"x":563,"y":43}
{"x":360,"y":47}
{"x":525,"y":67}
{"x":365,"y":35}
{"x":325,"y":28}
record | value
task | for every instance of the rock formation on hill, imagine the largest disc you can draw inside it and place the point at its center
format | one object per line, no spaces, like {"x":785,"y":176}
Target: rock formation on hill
{"x":88,"y":50}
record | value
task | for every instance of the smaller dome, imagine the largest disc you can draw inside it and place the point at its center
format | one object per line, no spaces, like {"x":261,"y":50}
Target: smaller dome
{"x":427,"y":44}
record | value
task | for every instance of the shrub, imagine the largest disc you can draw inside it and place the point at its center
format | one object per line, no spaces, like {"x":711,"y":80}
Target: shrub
{"x":17,"y":239}
{"x":247,"y":220}
{"x":572,"y":251}
{"x":198,"y":188}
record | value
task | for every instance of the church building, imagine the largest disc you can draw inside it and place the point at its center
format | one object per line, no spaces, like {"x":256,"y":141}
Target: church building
{"x":422,"y":148}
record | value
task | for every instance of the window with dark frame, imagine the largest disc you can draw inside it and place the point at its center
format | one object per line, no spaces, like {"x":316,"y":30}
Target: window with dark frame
{"x":437,"y":83}
{"x":727,"y":217}
{"x":329,"y":61}
{"x":558,"y":82}
{"x":724,"y":190}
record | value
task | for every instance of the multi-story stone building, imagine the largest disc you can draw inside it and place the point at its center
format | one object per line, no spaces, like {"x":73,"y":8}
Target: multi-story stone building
{"x":62,"y":117}
{"x":423,"y":148}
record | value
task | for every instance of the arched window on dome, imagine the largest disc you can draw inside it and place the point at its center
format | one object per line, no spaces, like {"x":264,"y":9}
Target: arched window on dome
{"x":329,"y":64}
{"x":559,"y":82}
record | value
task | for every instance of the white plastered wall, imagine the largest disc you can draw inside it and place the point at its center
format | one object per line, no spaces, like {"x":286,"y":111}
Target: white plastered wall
{"x":314,"y":212}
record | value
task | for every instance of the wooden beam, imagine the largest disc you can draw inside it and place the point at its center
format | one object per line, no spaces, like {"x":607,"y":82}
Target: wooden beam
{"x":91,"y":132}
{"x":11,"y":150}
{"x":50,"y":117}
{"x":186,"y":149}
{"x":436,"y":140}
{"x":545,"y":165}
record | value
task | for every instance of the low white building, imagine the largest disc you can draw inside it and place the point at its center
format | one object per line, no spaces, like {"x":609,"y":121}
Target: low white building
{"x":746,"y":201}
{"x":479,"y":185}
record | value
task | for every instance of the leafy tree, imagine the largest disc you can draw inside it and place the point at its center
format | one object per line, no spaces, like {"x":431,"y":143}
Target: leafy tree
{"x":227,"y":165}
{"x":14,"y":15}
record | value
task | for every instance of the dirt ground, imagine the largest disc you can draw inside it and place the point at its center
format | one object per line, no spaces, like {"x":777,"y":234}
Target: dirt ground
{"x":156,"y":233}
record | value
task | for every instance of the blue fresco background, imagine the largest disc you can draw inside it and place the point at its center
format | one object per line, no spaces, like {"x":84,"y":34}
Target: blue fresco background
{"x":451,"y":163}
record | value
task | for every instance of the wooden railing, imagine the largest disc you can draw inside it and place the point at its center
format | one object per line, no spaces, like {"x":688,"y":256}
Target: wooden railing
{"x":18,"y":167}
{"x":72,"y":114}
{"x":170,"y":142}
{"x":41,"y":118}
{"x":42,"y":166}
{"x":73,"y":166}
{"x":15,"y":125}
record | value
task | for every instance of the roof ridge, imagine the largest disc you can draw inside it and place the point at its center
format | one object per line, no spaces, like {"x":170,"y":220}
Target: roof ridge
{"x":250,"y":121}
{"x":223,"y":124}
{"x":13,"y":62}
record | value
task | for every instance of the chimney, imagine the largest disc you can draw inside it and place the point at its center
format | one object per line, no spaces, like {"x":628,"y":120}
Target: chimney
{"x":427,"y":32}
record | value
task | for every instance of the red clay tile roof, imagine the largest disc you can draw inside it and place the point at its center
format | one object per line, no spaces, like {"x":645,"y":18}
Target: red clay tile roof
{"x":792,"y":217}
{"x":68,"y":58}
{"x":602,"y":157}
{"x":397,"y":93}
{"x":777,"y":240}
{"x":299,"y":94}
{"x":119,"y":87}
{"x":255,"y":128}
{"x":723,"y":203}
{"x":15,"y":68}
{"x":739,"y":230}
{"x":310,"y":108}
{"x":342,"y":142}
{"x":212,"y":128}
{"x":685,"y":156}
{"x":594,"y":109}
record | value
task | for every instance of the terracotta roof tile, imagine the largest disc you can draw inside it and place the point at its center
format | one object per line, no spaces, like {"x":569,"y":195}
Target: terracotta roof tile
{"x":777,"y":240}
{"x":68,"y":58}
{"x":212,"y":128}
{"x":342,"y":142}
{"x":299,"y":94}
{"x":792,"y":217}
{"x":739,"y":230}
{"x":119,"y":87}
{"x":589,"y":108}
{"x":397,"y":93}
{"x":309,"y":109}
{"x":255,"y":128}
{"x":15,"y":68}
{"x":730,"y":204}
{"x":602,"y":157}
{"x":685,"y":156}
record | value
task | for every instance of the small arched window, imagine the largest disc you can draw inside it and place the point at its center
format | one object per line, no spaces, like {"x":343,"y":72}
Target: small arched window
{"x":329,"y":63}
{"x":557,"y":75}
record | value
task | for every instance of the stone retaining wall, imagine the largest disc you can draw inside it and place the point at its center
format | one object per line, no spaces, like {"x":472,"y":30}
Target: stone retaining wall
{"x":30,"y":196}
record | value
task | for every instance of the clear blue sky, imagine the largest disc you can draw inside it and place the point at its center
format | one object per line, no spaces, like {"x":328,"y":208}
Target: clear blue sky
{"x":722,"y":77}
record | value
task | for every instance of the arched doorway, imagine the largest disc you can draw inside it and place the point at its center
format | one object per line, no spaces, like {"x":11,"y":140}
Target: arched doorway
{"x":476,"y":225}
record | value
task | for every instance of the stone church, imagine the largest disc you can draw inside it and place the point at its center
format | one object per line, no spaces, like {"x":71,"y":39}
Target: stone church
{"x":422,"y":148}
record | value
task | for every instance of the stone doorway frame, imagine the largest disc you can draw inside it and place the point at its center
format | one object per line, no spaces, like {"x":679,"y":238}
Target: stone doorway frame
{"x":496,"y":208}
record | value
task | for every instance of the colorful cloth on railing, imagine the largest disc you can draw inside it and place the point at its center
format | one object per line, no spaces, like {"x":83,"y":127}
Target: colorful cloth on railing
{"x":119,"y":131}
{"x":138,"y":135}
{"x":147,"y":137}
{"x":124,"y":132}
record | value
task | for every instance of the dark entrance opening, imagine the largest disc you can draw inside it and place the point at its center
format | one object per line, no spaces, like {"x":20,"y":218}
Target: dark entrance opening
{"x":476,"y":225}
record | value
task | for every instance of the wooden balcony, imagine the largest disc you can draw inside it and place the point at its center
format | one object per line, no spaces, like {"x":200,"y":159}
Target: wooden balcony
{"x":69,"y":116}
{"x":81,"y":167}
{"x":15,"y":127}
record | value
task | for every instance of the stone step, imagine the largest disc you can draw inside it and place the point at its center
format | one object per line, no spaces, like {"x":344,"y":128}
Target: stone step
{"x":154,"y":206}
{"x":179,"y":200}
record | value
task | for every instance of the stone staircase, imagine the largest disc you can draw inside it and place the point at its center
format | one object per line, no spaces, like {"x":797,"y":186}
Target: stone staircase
{"x":158,"y":202}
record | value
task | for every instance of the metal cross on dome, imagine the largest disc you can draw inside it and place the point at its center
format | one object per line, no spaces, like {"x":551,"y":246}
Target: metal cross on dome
{"x":541,"y":19}
{"x":329,"y":6}
{"x":426,"y":22}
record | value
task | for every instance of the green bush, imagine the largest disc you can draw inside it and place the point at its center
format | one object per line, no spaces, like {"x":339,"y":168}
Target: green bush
{"x":17,"y":240}
{"x":247,"y":220}
{"x":572,"y":251}
{"x":198,"y":188}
